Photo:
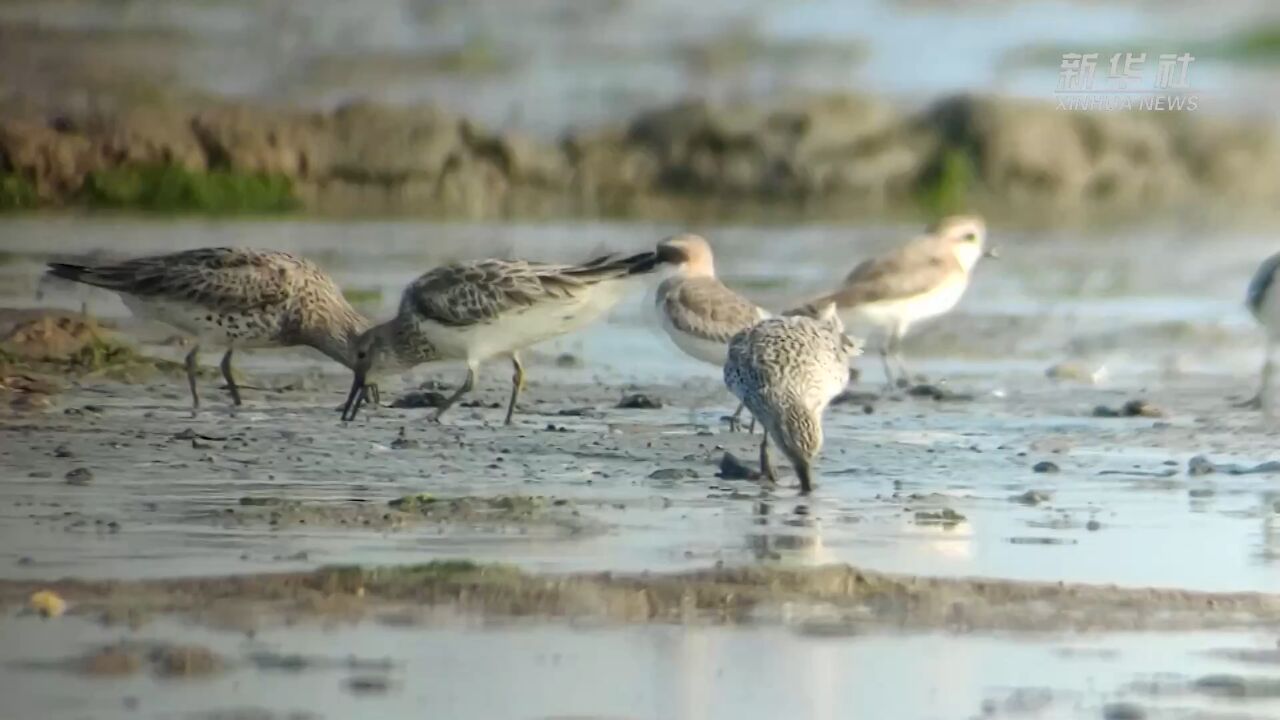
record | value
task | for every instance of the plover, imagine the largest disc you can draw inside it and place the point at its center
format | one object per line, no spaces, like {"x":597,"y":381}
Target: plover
{"x":698,"y":312}
{"x":787,"y":370}
{"x":922,"y":279}
{"x":1264,"y":302}
{"x":475,"y":311}
{"x":232,"y":297}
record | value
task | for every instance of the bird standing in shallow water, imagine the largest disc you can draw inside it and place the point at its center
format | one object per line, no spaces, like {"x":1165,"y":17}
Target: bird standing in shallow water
{"x":1264,"y":302}
{"x":923,"y":279}
{"x":787,"y":370}
{"x":698,"y":312}
{"x":232,"y":297}
{"x":479,"y":310}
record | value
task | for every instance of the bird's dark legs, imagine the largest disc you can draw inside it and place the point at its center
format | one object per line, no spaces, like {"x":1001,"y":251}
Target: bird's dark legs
{"x":466,"y":388}
{"x":766,"y":466}
{"x":895,"y":353}
{"x":517,"y":384}
{"x":888,"y":365}
{"x":805,"y":473}
{"x":191,"y":377}
{"x":735,"y":420}
{"x":231,"y":381}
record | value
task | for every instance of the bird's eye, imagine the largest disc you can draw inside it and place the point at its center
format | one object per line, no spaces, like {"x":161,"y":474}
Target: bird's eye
{"x":971,"y":237}
{"x":362,"y":355}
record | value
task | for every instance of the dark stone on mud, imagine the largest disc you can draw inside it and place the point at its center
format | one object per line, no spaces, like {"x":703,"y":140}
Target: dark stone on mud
{"x":420,"y":399}
{"x":1132,"y":408}
{"x":1044,"y":466}
{"x":731,"y":468}
{"x":568,"y":360}
{"x":854,"y":396}
{"x":39,"y":474}
{"x":944,"y":516}
{"x":1093,"y":526}
{"x":62,"y":451}
{"x":1123,"y":711}
{"x":673,"y":474}
{"x":1032,"y":497}
{"x":79,"y":476}
{"x":937,"y":392}
{"x":579,"y":412}
{"x":1201,"y":465}
{"x":1141,"y":408}
{"x":368,"y":685}
{"x":185,"y":661}
{"x":639,"y":401}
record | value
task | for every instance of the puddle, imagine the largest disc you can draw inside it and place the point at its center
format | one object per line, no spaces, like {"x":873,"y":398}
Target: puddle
{"x":556,"y":670}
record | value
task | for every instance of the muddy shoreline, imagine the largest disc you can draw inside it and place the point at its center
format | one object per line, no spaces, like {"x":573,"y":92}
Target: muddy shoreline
{"x":825,"y":157}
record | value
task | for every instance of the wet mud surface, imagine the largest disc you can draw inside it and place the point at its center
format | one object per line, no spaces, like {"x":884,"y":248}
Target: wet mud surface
{"x":1068,"y":518}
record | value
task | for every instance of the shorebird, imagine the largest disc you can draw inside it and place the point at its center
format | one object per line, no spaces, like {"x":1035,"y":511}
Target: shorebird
{"x":232,"y":297}
{"x":698,"y":312}
{"x":1263,"y":301}
{"x":786,"y":370}
{"x":478,"y":310}
{"x":922,"y":279}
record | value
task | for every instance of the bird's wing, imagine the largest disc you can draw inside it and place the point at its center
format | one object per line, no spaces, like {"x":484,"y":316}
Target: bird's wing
{"x":706,"y":309}
{"x":216,"y":278}
{"x":478,"y":292}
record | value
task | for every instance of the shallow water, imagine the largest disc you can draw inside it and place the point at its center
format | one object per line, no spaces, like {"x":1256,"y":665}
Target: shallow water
{"x":513,"y":670}
{"x":548,"y":65}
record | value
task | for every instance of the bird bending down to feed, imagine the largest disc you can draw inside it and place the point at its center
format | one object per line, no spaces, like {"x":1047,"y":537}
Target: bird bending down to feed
{"x":787,"y":370}
{"x":922,"y":279}
{"x":475,"y":311}
{"x":232,"y":297}
{"x":698,"y":312}
{"x":1264,"y":303}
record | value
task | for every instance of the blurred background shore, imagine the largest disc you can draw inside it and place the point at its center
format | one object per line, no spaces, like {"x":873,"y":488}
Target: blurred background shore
{"x":746,"y":111}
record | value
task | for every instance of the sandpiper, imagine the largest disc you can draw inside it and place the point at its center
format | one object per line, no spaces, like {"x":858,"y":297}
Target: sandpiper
{"x":922,"y":279}
{"x":232,"y":297}
{"x":478,"y":310}
{"x":1263,"y":301}
{"x":787,"y":370}
{"x":698,"y":312}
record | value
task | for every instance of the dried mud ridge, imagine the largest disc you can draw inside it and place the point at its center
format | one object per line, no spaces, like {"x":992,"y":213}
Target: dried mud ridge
{"x":832,"y":155}
{"x":831,"y":599}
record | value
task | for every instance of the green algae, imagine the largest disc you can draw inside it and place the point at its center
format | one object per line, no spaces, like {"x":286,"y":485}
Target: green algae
{"x":173,"y":189}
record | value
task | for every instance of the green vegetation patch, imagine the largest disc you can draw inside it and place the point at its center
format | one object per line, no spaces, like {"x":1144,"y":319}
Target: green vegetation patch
{"x":946,"y":186}
{"x":172,"y":189}
{"x":17,"y":193}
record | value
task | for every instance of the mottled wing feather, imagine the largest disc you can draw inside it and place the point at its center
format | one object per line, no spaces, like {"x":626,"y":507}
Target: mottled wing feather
{"x":216,"y":278}
{"x":478,"y":292}
{"x":705,"y":308}
{"x":1261,"y":284}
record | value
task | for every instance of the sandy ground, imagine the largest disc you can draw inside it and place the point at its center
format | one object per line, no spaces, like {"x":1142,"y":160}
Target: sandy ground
{"x":587,"y":512}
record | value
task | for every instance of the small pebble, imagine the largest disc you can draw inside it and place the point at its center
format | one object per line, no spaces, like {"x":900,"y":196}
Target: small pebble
{"x":79,"y":476}
{"x":1044,"y":466}
{"x":639,"y":401}
{"x":1123,"y":711}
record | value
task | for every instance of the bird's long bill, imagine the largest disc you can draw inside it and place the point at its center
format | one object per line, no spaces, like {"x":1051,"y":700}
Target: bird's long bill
{"x":355,"y":397}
